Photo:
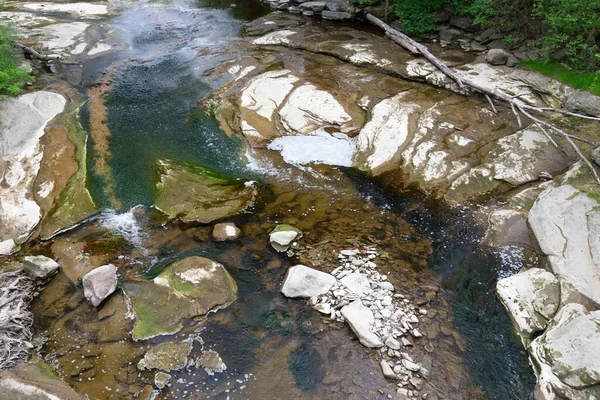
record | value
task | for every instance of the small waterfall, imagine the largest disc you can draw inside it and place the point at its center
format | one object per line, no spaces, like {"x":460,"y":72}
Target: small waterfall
{"x":125,"y":224}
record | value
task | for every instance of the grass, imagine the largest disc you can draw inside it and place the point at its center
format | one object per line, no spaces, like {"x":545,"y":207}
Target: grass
{"x":589,"y":81}
{"x":12,"y":76}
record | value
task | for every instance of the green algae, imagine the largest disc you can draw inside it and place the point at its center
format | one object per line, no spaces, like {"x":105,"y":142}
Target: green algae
{"x":193,"y":193}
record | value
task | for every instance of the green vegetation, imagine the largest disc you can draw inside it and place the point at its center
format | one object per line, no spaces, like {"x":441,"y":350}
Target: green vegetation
{"x":589,"y":81}
{"x":12,"y":77}
{"x":569,"y":29}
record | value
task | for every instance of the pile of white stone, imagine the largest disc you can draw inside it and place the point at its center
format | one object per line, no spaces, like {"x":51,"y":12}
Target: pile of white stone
{"x":355,"y":292}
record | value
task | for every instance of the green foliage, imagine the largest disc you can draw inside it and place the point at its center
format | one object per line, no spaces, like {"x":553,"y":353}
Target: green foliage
{"x":417,"y":16}
{"x":12,"y":77}
{"x":589,"y":81}
{"x":573,"y":25}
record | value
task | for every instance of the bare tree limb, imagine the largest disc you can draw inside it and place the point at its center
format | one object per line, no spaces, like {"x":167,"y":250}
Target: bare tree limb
{"x":516,"y":104}
{"x":33,"y":53}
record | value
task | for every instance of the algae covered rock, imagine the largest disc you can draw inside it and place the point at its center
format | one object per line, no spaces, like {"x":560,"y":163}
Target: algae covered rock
{"x":187,"y":288}
{"x":169,"y":356}
{"x":195,"y":194}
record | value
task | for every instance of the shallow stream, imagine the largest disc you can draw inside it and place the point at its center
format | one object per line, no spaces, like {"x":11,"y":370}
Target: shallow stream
{"x":273,"y":347}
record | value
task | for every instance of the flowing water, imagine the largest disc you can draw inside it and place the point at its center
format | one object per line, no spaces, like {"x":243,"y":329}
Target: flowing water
{"x":273,"y":347}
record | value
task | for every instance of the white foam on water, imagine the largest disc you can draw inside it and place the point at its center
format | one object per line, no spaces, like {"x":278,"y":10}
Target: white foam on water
{"x":318,"y":147}
{"x":125,"y":224}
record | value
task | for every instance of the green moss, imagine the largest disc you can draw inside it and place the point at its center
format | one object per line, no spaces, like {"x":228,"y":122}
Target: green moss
{"x":579,"y":80}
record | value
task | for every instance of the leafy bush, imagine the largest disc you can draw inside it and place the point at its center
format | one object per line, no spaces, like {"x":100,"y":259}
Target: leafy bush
{"x":12,"y":77}
{"x":417,"y":16}
{"x":573,"y":25}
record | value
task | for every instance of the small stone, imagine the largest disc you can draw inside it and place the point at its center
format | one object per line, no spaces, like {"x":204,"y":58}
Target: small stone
{"x":323,"y":308}
{"x":100,"y":283}
{"x":211,"y":362}
{"x":225,"y":231}
{"x":161,"y":379}
{"x":302,"y":281}
{"x":411,"y":366}
{"x":40,"y":267}
{"x":7,"y":247}
{"x":416,"y":382}
{"x":422,"y":311}
{"x":415,"y":332}
{"x":387,"y":370}
{"x":405,"y":342}
{"x":392,"y":343}
{"x":497,"y":57}
{"x":283,"y":236}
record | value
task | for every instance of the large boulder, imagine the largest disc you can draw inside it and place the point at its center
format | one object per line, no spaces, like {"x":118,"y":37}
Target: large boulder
{"x":566,"y":224}
{"x":532,"y":298}
{"x":360,"y":319}
{"x":100,"y":283}
{"x":192,"y":193}
{"x":584,"y":102}
{"x":497,"y":57}
{"x":188,"y":288}
{"x":302,"y":281}
{"x":40,"y":267}
{"x":571,"y":345}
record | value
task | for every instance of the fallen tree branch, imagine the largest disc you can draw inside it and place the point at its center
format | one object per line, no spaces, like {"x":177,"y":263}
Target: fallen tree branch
{"x":516,"y":104}
{"x":34,"y":53}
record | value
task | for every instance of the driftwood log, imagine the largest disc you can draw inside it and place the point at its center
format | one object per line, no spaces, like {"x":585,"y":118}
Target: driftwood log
{"x":516,"y":104}
{"x":34,"y":53}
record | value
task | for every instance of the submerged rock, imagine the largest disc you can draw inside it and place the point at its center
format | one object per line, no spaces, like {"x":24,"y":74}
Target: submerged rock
{"x":185,"y":289}
{"x":161,"y":379}
{"x":100,"y":283}
{"x":532,"y":298}
{"x":169,"y":356}
{"x":571,"y":345}
{"x":566,"y":224}
{"x":360,"y":318}
{"x":191,"y":193}
{"x":40,"y":267}
{"x":302,"y":281}
{"x":211,"y":362}
{"x":35,"y":382}
{"x":225,"y":231}
{"x":283,"y":236}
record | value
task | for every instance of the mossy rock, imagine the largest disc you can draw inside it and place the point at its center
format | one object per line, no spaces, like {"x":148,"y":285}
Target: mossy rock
{"x":185,"y":289}
{"x":193,"y":193}
{"x":169,"y":356}
{"x":283,"y":236}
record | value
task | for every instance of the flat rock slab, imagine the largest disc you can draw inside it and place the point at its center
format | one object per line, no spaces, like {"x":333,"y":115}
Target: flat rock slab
{"x":302,"y":281}
{"x":191,"y":193}
{"x":566,"y":224}
{"x":30,"y":382}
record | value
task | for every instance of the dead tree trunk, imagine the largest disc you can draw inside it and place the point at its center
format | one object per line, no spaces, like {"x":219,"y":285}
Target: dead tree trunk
{"x":517,"y":105}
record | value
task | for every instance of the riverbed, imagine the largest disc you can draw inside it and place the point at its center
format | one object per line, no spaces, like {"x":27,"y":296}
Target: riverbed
{"x":273,"y":347}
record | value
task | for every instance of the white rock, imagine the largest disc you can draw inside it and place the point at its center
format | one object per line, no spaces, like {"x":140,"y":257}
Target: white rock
{"x":532,"y":298}
{"x":357,"y":283}
{"x":80,"y":9}
{"x":225,"y":231}
{"x":100,"y":283}
{"x":302,"y":281}
{"x":308,"y":108}
{"x":360,"y":318}
{"x":405,"y":342}
{"x":566,"y":224}
{"x":323,"y":308}
{"x":392,"y":343}
{"x":7,"y":247}
{"x":99,"y":48}
{"x":388,"y":372}
{"x":386,"y":286}
{"x":265,"y":92}
{"x":416,"y":333}
{"x":409,"y":365}
{"x":571,"y":345}
{"x":40,"y":266}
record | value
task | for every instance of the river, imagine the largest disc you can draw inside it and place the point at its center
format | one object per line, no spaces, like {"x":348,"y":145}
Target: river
{"x":273,"y":347}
